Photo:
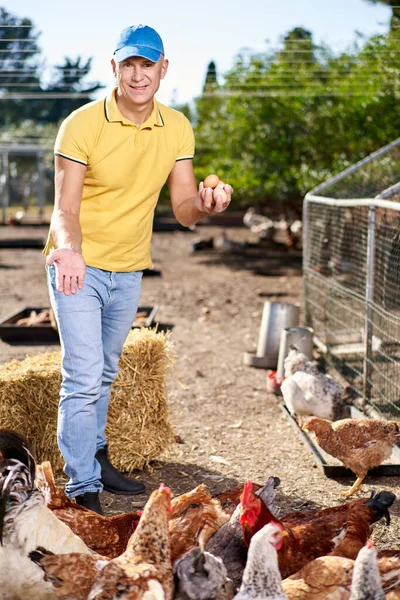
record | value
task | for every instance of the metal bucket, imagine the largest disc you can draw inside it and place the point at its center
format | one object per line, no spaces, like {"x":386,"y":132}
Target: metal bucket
{"x":276,"y":317}
{"x":301,"y":337}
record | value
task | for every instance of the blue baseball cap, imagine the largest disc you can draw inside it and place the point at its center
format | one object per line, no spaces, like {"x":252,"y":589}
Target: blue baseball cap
{"x":139,"y":40}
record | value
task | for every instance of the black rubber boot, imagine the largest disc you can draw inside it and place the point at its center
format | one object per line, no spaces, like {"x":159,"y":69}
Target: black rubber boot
{"x":90,"y":500}
{"x":113,"y":481}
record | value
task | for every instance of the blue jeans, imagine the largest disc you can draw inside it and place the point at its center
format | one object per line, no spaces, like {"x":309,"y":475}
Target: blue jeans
{"x":93,"y":326}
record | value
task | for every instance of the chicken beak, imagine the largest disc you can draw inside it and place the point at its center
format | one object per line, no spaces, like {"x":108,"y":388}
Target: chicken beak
{"x":284,"y":533}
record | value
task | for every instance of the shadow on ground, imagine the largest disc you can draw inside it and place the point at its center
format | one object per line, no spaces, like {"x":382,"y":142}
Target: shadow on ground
{"x":258,"y":259}
{"x":179,"y":477}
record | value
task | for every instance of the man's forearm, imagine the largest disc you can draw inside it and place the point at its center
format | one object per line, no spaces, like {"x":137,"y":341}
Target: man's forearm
{"x":66,"y":230}
{"x":188,"y":213}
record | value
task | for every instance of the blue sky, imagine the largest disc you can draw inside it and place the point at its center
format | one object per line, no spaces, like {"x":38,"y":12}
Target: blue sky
{"x":194,"y":33}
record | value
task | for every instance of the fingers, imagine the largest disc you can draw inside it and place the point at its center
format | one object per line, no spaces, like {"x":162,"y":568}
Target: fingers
{"x":207,"y":196}
{"x":68,"y":284}
{"x":80,"y":280}
{"x":223,"y":199}
{"x":59,"y":279}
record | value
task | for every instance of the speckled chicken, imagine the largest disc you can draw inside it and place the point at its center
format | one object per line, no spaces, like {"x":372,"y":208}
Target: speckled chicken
{"x":201,"y":576}
{"x":306,"y":391}
{"x":261,"y":577}
{"x":144,"y":570}
{"x":106,"y":535}
{"x":366,"y":583}
{"x":361,"y":444}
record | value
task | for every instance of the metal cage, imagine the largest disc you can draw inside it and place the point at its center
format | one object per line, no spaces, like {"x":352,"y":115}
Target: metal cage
{"x":351,"y":268}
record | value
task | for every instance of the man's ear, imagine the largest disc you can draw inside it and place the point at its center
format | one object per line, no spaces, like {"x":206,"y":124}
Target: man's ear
{"x":114,"y":66}
{"x":164,"y":68}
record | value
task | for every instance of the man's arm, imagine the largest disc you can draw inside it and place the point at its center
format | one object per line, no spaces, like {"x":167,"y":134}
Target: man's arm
{"x":190,"y":204}
{"x":65,"y":228}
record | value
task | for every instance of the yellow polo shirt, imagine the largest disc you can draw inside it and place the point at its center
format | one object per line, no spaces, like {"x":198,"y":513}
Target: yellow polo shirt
{"x":126,"y":169}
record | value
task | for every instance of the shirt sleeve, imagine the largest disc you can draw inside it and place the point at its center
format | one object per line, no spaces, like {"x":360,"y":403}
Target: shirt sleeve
{"x":71,"y":141}
{"x":186,"y":148}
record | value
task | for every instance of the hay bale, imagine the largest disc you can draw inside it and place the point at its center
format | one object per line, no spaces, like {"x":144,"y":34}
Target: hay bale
{"x":138,"y":428}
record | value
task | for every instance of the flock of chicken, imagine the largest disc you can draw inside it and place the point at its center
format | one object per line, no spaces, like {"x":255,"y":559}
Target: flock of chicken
{"x":191,"y":547}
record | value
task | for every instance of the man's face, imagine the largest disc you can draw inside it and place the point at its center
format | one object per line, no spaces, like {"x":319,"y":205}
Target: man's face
{"x":138,"y":78}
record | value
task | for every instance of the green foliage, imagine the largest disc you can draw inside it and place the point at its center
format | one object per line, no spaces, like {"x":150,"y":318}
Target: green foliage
{"x":287,"y":119}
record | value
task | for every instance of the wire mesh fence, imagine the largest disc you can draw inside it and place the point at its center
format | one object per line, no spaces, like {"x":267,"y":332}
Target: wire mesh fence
{"x":26,"y":180}
{"x":351,"y":268}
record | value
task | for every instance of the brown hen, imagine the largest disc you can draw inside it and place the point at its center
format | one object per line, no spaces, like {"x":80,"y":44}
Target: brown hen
{"x":108,"y":536}
{"x":71,"y":575}
{"x":195,"y":517}
{"x":361,"y":444}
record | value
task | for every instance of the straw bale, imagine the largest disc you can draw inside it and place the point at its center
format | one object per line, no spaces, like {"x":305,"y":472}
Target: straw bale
{"x":138,"y":428}
{"x":29,"y":395}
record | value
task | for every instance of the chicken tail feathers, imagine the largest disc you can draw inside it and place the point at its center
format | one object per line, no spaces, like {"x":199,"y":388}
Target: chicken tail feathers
{"x":380,"y":502}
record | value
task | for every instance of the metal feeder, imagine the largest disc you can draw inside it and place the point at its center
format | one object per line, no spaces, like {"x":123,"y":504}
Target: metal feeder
{"x":276,"y":317}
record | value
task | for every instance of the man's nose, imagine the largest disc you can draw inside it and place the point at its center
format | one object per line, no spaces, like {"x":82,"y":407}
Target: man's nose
{"x":137,"y":73}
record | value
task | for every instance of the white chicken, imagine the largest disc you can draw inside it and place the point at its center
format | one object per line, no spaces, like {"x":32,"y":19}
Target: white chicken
{"x":306,"y":391}
{"x":258,"y":223}
{"x":261,"y":577}
{"x":25,"y":523}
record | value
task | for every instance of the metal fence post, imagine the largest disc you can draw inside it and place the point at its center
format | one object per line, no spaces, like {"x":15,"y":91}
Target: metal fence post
{"x":306,"y":263}
{"x":369,"y":298}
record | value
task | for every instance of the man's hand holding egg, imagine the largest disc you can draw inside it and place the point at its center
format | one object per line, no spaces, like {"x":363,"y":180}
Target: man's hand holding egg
{"x":215,"y":194}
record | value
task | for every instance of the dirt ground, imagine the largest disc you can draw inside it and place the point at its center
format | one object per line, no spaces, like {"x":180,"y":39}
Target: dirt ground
{"x":231,"y":428}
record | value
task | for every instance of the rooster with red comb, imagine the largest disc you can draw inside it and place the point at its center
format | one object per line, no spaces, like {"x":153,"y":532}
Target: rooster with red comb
{"x":310,"y":533}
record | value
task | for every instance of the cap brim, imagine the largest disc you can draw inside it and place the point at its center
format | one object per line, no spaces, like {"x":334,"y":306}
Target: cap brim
{"x":142,"y":51}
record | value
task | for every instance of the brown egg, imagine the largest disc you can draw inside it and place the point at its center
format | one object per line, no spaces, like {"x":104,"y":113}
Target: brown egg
{"x":220,"y":184}
{"x":211,"y":181}
{"x":218,"y":191}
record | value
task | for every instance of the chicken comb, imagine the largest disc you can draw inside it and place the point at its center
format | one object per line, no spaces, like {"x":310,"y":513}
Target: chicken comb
{"x":139,"y":513}
{"x":370,"y":544}
{"x":246,"y":494}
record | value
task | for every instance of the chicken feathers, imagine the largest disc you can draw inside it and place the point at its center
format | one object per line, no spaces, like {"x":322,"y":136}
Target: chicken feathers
{"x":306,"y":391}
{"x":361,"y":444}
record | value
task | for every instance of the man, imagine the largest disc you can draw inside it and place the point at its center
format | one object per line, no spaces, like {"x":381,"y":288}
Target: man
{"x":112,"y":158}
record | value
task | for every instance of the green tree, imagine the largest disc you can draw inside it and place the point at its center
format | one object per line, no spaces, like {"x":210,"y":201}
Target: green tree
{"x":67,"y":81}
{"x":23,"y":96}
{"x":286,"y":120}
{"x":19,"y":66}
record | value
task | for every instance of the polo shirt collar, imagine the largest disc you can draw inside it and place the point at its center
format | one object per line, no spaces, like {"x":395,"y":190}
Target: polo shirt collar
{"x":113,"y":114}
